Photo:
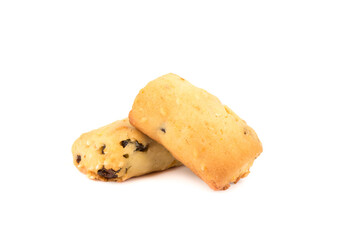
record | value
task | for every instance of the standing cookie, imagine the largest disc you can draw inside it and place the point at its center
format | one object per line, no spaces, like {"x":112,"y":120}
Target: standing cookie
{"x":197,"y":129}
{"x":117,"y":152}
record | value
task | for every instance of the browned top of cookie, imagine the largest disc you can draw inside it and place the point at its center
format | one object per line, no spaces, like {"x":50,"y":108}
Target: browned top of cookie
{"x":197,"y":129}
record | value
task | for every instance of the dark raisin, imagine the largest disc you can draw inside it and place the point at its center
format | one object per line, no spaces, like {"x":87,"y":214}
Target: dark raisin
{"x":103,"y":148}
{"x":107,"y":173}
{"x":245,"y":131}
{"x":118,"y":170}
{"x":125,"y":142}
{"x":125,"y":155}
{"x":163,"y":130}
{"x":78,"y":159}
{"x":140,"y":147}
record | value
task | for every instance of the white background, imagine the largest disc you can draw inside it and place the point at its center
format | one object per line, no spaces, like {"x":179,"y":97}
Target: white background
{"x":289,"y":68}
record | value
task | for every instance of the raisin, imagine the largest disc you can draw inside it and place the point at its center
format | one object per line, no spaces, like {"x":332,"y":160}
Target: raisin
{"x":125,"y":155}
{"x":140,"y":147}
{"x":125,"y":142}
{"x":78,"y":159}
{"x":245,"y":131}
{"x":163,"y":130}
{"x":103,"y":148}
{"x":107,"y":173}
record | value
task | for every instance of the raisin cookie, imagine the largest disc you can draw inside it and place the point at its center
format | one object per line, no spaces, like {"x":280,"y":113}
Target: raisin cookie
{"x":201,"y":132}
{"x":119,"y":151}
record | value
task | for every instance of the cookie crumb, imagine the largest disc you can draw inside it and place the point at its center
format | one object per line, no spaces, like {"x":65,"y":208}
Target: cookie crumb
{"x":162,"y":111}
{"x":203,"y":167}
{"x":195,"y":154}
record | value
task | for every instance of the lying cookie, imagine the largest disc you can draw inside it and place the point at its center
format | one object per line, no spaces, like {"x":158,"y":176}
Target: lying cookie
{"x":197,"y":129}
{"x":117,"y":152}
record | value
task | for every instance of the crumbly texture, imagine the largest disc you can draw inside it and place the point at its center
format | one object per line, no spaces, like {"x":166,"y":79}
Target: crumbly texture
{"x":119,"y":151}
{"x":202,"y":133}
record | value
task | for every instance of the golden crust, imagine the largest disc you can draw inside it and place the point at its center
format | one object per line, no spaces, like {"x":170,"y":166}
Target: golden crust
{"x":202,"y":133}
{"x":102,"y":155}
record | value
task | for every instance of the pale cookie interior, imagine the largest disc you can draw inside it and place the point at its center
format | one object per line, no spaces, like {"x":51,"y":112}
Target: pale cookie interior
{"x":118,"y":151}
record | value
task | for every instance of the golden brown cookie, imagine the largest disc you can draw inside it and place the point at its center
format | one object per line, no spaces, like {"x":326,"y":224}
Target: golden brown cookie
{"x":119,"y":151}
{"x":197,"y":129}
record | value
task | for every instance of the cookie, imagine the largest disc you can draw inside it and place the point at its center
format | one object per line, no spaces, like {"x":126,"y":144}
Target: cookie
{"x":201,"y":132}
{"x":119,"y":151}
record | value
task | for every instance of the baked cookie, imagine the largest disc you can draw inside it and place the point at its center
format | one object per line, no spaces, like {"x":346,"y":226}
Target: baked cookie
{"x":202,"y":133}
{"x":119,"y":151}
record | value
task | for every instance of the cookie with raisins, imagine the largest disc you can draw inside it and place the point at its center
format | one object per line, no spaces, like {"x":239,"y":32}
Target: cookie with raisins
{"x":119,"y":151}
